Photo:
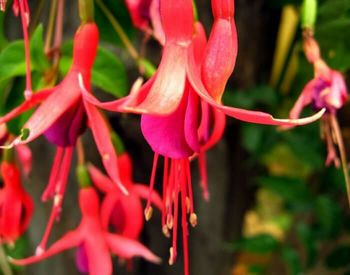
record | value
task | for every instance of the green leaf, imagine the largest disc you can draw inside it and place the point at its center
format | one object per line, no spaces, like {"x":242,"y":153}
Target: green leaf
{"x":329,"y":215}
{"x":307,"y":238}
{"x":292,"y":259}
{"x":38,"y":57}
{"x":339,"y":257}
{"x":259,"y":244}
{"x":120,"y":12}
{"x":108,"y":72}
{"x":293,"y":191}
{"x":12,"y":61}
{"x":12,"y":58}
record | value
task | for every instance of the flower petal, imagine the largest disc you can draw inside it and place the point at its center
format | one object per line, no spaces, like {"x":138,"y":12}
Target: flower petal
{"x":143,"y":191}
{"x":26,"y":105}
{"x":97,"y":252}
{"x":104,"y":144}
{"x":101,"y":181}
{"x":166,"y":134}
{"x":25,"y":158}
{"x":242,"y":114}
{"x":50,"y":110}
{"x":107,"y":207}
{"x":167,"y":90}
{"x":69,"y":240}
{"x":127,"y":248}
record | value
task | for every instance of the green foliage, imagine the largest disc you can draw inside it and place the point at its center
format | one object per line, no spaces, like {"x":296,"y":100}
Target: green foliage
{"x":108,"y":72}
{"x":259,"y":244}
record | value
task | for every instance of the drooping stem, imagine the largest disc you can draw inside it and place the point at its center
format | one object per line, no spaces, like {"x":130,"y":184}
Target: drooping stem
{"x":343,"y":158}
{"x":24,"y":13}
{"x":80,"y":152}
{"x":50,"y":27}
{"x":86,"y":11}
{"x":4,"y":264}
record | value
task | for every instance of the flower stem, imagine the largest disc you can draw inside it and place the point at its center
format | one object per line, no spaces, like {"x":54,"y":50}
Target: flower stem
{"x":340,"y":143}
{"x":51,"y":25}
{"x":80,"y":152}
{"x":86,"y":11}
{"x":4,"y":264}
{"x":119,"y":30}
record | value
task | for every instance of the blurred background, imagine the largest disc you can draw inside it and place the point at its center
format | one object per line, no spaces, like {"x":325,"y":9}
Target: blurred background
{"x":274,"y":207}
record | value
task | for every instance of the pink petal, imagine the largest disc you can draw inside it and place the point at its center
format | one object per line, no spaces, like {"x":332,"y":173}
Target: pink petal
{"x":167,"y":90}
{"x":65,"y":96}
{"x":139,"y":12}
{"x":104,"y":144}
{"x":182,"y":12}
{"x":144,"y":192}
{"x":220,"y":57}
{"x":166,"y":134}
{"x":133,"y":215}
{"x":127,"y":248}
{"x":192,"y":121}
{"x":242,"y":114}
{"x":25,"y":158}
{"x":304,"y":99}
{"x":99,"y":258}
{"x":69,"y":240}
{"x":101,"y":181}
{"x":217,"y":131}
{"x":158,"y":32}
{"x":26,"y":105}
{"x":107,"y":208}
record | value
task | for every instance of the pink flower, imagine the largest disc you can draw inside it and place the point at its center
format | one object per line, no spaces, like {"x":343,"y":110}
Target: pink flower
{"x":144,"y":12}
{"x":97,"y":241}
{"x":63,"y":114}
{"x":16,"y":206}
{"x":123,"y":212}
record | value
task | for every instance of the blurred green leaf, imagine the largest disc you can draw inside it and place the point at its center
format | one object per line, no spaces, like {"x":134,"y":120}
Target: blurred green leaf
{"x":259,"y":244}
{"x":292,"y":259}
{"x":293,"y":191}
{"x":38,"y":57}
{"x":251,"y":98}
{"x":308,"y":240}
{"x":329,"y":216}
{"x":339,"y":257}
{"x":18,"y":251}
{"x":108,"y":72}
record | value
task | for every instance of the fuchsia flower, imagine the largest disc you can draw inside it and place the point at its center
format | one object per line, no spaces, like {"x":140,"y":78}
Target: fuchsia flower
{"x":181,"y":104}
{"x":62,"y":113}
{"x":123,"y":212}
{"x":144,"y":12}
{"x":326,"y":90}
{"x":16,"y":206}
{"x":96,"y":241}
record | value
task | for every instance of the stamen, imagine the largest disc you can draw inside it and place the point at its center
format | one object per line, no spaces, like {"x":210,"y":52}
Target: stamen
{"x":165,"y":185}
{"x":184,"y":228}
{"x":165,"y":231}
{"x":172,"y":256}
{"x":193,"y":220}
{"x":148,"y":213}
{"x":153,"y":178}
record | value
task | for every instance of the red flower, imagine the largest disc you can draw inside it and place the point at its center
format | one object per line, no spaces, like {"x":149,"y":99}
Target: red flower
{"x":97,"y":242}
{"x":123,"y":212}
{"x":16,"y":206}
{"x":61,"y":116}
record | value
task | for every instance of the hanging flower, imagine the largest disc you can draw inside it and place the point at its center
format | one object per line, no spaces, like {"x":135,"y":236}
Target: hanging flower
{"x":16,"y":206}
{"x":96,"y":241}
{"x":62,"y":113}
{"x":124,"y":213}
{"x":327,"y":90}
